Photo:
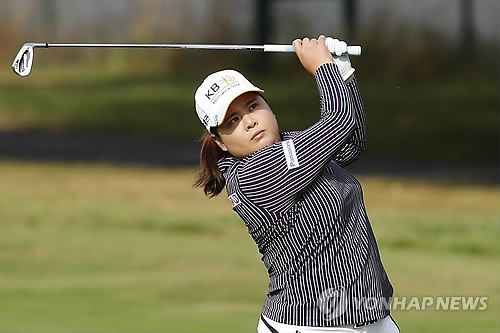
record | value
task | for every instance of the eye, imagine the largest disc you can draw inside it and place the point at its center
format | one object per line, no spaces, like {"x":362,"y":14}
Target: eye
{"x":233,"y":120}
{"x":253,"y":106}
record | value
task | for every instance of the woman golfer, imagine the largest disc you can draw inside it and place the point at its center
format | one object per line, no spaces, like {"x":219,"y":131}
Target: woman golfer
{"x":303,"y":210}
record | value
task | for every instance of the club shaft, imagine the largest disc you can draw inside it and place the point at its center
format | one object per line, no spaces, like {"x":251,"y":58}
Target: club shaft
{"x":164,"y":46}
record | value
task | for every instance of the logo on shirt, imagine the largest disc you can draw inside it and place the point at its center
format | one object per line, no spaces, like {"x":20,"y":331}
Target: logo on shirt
{"x":332,"y":303}
{"x":291,"y":156}
{"x":235,"y":201}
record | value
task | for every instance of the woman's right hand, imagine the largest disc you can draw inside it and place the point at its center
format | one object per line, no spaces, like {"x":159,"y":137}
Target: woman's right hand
{"x":312,"y":53}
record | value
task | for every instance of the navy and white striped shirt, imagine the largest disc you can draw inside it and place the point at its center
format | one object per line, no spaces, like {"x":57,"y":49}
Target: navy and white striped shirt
{"x":306,"y":213}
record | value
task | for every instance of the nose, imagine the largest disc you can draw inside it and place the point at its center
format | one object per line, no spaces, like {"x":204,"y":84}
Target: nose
{"x":249,"y":121}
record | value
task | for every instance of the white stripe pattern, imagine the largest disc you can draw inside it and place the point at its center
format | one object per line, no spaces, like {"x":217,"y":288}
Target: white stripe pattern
{"x":309,"y":222}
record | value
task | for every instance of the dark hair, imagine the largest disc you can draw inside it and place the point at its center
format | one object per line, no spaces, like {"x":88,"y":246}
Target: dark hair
{"x":209,"y":176}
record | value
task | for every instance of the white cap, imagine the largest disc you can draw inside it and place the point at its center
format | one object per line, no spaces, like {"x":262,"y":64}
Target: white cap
{"x":215,"y":94}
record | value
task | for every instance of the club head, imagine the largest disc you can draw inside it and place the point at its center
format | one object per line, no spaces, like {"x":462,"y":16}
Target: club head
{"x":23,"y":62}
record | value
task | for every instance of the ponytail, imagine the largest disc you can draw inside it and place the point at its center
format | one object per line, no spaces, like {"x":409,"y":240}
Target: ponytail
{"x":209,"y":176}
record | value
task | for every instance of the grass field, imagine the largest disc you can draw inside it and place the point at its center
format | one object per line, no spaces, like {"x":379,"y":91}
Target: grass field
{"x":100,"y":248}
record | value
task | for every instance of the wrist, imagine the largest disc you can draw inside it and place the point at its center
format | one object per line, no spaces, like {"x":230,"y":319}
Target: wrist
{"x":344,"y":65}
{"x":321,"y":65}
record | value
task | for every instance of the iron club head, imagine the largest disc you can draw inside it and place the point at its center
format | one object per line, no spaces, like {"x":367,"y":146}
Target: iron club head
{"x":23,"y":62}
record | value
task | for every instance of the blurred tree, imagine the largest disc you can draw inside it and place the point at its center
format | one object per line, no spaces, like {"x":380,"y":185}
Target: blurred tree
{"x":350,"y":15}
{"x":467,"y":34}
{"x":6,"y":28}
{"x":221,"y":23}
{"x":263,"y":29}
{"x":263,"y":22}
{"x":48,"y":10}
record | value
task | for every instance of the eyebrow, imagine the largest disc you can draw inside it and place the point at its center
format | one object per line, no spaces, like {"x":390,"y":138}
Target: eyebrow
{"x":250,"y":102}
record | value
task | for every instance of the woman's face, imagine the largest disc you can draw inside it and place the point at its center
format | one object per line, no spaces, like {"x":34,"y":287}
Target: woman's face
{"x":249,"y":125}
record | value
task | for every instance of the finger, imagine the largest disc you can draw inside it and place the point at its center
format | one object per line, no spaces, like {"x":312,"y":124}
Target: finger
{"x":337,"y":47}
{"x":330,"y":44}
{"x":297,"y":44}
{"x":343,"y":47}
{"x":321,"y":39}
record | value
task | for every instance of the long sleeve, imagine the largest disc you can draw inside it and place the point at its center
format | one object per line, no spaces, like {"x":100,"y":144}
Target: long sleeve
{"x":267,"y":178}
{"x":352,"y":149}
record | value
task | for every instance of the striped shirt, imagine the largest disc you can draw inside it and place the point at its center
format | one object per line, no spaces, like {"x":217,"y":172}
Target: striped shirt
{"x":306,"y":214}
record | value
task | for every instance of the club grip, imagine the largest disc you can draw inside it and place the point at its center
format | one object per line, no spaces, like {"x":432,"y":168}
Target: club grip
{"x":354,"y":50}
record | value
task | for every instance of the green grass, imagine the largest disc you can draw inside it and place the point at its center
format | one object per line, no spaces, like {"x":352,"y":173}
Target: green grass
{"x":432,"y":120}
{"x":86,"y":248}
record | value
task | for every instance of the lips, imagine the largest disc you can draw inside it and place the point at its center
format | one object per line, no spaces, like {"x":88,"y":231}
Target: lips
{"x":257,"y":135}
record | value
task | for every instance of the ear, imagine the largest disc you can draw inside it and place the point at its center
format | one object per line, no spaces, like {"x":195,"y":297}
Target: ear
{"x":218,"y":142}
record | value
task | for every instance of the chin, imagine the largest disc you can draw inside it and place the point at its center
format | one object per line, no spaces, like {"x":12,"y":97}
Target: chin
{"x":265,"y":143}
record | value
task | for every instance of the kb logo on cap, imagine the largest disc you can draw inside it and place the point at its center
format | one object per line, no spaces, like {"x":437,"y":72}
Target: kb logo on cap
{"x":215,"y":87}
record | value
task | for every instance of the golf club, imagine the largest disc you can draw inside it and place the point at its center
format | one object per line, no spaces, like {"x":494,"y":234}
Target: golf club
{"x":23,"y":62}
